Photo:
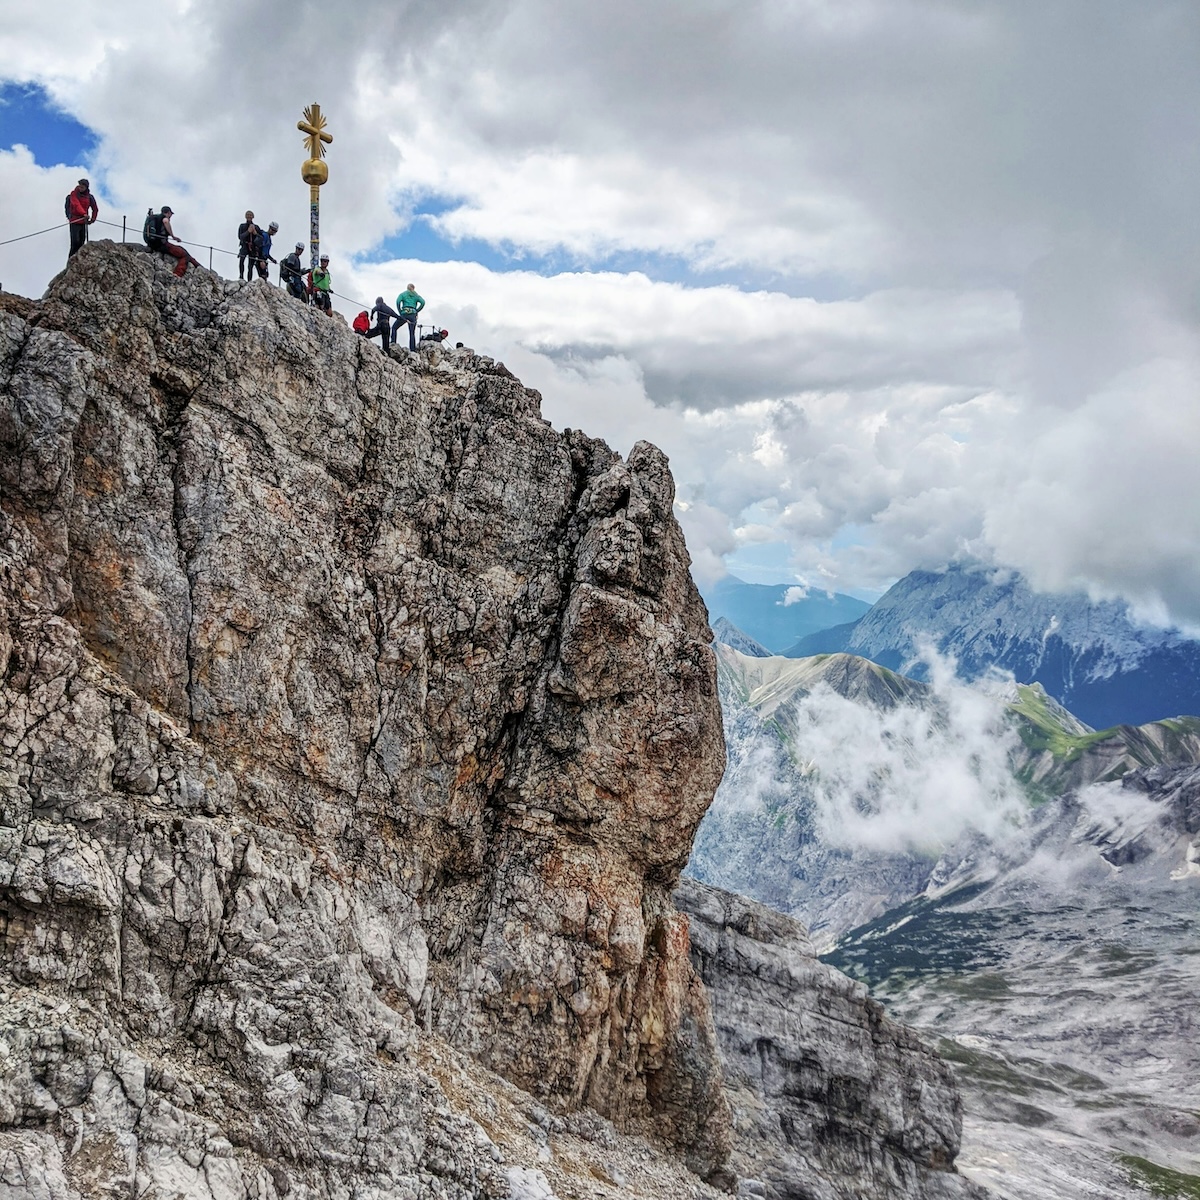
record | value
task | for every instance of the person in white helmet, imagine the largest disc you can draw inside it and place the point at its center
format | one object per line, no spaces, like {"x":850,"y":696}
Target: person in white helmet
{"x":264,"y":249}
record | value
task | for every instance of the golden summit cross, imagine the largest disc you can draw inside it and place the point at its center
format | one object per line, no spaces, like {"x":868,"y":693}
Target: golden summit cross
{"x":314,"y":125}
{"x":314,"y":172}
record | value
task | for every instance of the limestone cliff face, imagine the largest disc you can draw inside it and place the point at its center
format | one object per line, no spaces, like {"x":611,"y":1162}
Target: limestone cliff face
{"x":342,"y":696}
{"x":832,"y":1100}
{"x":354,"y":729}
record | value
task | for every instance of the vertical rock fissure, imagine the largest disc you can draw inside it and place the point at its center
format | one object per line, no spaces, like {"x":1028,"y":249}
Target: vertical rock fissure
{"x":176,"y":405}
{"x":363,"y":545}
{"x":233,"y":882}
{"x":574,"y":525}
{"x":378,"y":623}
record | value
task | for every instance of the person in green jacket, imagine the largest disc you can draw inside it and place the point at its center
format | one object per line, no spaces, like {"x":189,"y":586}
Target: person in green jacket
{"x":320,"y":283}
{"x":408,"y":304}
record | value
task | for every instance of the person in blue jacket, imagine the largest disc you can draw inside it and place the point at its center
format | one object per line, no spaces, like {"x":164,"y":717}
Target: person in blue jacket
{"x":264,"y":249}
{"x":409,"y":304}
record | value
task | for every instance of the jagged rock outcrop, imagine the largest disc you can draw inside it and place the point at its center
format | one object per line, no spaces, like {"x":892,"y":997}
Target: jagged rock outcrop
{"x":354,"y":728}
{"x":341,"y":696}
{"x":832,"y":1100}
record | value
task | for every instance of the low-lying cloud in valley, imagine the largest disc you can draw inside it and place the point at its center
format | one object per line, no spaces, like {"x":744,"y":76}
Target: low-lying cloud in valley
{"x":915,"y":778}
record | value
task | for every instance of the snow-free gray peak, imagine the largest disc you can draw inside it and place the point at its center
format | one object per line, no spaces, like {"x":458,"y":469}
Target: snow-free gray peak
{"x":1089,"y":655}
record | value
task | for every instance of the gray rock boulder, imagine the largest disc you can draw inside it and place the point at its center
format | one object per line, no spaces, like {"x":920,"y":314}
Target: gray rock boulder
{"x":832,"y":1100}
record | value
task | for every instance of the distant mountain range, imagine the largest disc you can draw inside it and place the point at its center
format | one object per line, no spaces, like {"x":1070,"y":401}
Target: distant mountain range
{"x":762,"y":835}
{"x":1088,"y":655}
{"x":778,"y":615}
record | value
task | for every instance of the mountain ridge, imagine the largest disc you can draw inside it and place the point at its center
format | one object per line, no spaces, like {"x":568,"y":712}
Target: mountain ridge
{"x":775,"y":615}
{"x":1089,"y":655}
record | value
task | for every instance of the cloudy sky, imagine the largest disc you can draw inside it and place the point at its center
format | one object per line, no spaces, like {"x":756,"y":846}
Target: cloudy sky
{"x":891,"y":281}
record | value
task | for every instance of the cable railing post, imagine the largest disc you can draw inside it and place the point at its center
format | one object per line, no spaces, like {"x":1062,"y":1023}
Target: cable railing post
{"x":210,"y":258}
{"x":122,"y":229}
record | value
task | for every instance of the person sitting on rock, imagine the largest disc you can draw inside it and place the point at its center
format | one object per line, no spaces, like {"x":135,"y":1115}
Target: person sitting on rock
{"x":161,"y":237}
{"x":291,"y":273}
{"x":361,"y":323}
{"x":409,"y":304}
{"x":320,"y":284}
{"x":384,"y":315}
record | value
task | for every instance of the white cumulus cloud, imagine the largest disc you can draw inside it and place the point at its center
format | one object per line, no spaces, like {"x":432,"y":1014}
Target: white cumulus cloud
{"x":891,"y":281}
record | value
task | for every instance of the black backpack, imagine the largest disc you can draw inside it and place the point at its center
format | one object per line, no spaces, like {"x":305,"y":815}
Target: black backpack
{"x":152,"y":230}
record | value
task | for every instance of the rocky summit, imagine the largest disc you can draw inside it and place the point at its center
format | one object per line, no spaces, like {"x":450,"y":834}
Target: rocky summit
{"x":356,"y":725}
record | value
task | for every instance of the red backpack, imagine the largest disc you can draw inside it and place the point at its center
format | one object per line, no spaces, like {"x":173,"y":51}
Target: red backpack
{"x":362,"y":323}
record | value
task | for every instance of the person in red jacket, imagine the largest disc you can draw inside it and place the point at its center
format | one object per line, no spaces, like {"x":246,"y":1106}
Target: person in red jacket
{"x":81,"y":209}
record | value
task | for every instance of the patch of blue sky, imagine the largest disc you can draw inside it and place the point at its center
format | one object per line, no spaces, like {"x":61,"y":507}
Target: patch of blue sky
{"x":760,"y":514}
{"x":762,"y":562}
{"x":421,"y":240}
{"x":29,"y":117}
{"x":847,"y":536}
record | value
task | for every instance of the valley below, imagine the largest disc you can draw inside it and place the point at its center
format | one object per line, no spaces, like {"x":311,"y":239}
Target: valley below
{"x":1070,"y":1023}
{"x":1051,"y":956}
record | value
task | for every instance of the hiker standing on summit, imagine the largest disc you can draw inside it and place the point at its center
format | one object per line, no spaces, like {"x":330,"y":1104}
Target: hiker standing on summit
{"x":409,"y":304}
{"x":264,"y":249}
{"x":245,"y":247}
{"x":81,"y":209}
{"x":291,"y":273}
{"x":320,"y":284}
{"x":384,"y":316}
{"x":252,"y":247}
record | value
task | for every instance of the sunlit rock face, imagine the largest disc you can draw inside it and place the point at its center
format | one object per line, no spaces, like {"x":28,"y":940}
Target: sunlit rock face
{"x":343,"y":698}
{"x":356,"y":726}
